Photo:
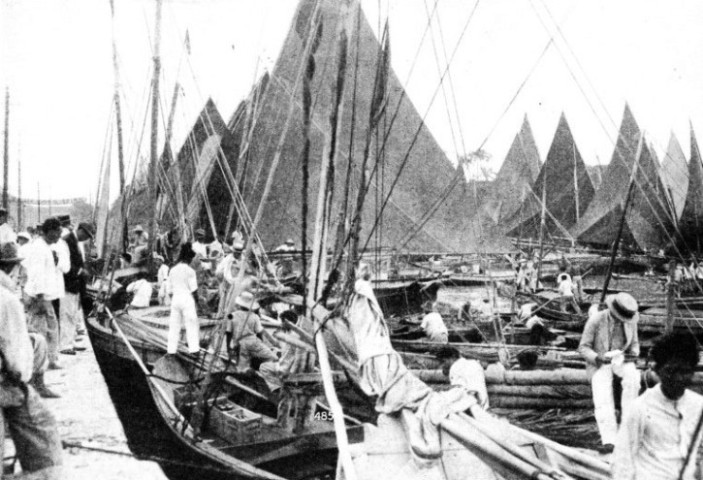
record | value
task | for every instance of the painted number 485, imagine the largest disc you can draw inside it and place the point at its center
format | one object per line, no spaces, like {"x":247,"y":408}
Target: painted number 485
{"x":324,"y":416}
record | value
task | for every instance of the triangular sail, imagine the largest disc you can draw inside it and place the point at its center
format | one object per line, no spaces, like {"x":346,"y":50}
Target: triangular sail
{"x":674,"y":172}
{"x":691,"y":222}
{"x":568,"y":190}
{"x":649,"y":217}
{"x":515,"y":177}
{"x":419,"y":178}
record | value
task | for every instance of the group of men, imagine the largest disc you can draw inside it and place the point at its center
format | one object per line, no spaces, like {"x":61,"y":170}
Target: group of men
{"x":42,"y":280}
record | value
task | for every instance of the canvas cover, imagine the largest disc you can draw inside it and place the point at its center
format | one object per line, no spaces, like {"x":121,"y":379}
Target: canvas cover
{"x":425,"y":177}
{"x":569,"y":191}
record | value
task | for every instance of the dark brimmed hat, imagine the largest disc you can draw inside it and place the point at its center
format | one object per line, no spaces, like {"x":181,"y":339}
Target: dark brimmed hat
{"x":51,"y":223}
{"x":9,"y":253}
{"x":64,"y":219}
{"x":87,"y":228}
{"x":623,"y":306}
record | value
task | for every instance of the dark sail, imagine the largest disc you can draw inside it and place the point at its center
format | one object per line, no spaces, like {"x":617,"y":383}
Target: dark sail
{"x":674,"y":172}
{"x":569,"y":191}
{"x":515,"y":177}
{"x":649,"y":219}
{"x":426,"y":179}
{"x":691,"y":222}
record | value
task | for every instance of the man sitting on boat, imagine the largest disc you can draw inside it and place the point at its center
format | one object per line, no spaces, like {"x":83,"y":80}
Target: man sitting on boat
{"x":243,"y":332}
{"x":464,"y":373}
{"x":433,"y":325}
{"x":610,"y":346}
{"x":33,"y":427}
{"x":656,"y":438}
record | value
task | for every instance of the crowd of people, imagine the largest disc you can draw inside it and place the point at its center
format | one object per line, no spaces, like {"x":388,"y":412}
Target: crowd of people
{"x":42,"y":292}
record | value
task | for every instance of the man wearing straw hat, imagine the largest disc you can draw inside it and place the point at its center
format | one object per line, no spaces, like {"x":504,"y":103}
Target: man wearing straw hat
{"x":610,"y":346}
{"x":31,"y":424}
{"x":243,"y":331}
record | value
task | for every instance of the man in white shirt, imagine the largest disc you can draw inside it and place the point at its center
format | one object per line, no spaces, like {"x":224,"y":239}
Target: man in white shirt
{"x":433,"y":325}
{"x":161,"y":279}
{"x":656,"y":438}
{"x":7,"y":234}
{"x":565,"y":286}
{"x":44,"y":284}
{"x":142,"y":290}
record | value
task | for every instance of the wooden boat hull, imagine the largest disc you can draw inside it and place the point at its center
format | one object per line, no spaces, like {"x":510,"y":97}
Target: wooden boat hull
{"x":204,"y":455}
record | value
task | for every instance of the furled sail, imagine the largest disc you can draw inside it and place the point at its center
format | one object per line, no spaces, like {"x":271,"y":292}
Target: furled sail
{"x":674,"y":172}
{"x":691,"y":222}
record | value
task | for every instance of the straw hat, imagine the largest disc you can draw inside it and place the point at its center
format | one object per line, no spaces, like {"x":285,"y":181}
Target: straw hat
{"x":9,"y":253}
{"x":138,"y":228}
{"x":246,"y":300}
{"x":290,"y":242}
{"x":238,"y":246}
{"x":200,"y":232}
{"x":623,"y":306}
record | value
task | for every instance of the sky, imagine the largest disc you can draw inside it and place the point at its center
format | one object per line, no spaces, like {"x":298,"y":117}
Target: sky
{"x":508,"y":59}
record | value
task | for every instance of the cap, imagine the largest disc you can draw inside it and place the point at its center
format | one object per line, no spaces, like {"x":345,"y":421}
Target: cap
{"x":87,"y":228}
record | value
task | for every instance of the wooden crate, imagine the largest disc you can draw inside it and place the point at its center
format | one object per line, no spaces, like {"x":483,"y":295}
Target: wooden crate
{"x":233,"y":423}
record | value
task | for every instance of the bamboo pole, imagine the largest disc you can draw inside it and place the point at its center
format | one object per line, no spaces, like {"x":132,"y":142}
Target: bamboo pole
{"x":6,"y":155}
{"x":616,"y":243}
{"x":19,"y":193}
{"x":154,"y":153}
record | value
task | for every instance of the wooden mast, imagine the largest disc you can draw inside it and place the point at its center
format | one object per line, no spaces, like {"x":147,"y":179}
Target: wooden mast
{"x":6,"y":156}
{"x":542,"y":222}
{"x":19,"y":193}
{"x":616,"y":243}
{"x":154,"y":153}
{"x":120,"y":144}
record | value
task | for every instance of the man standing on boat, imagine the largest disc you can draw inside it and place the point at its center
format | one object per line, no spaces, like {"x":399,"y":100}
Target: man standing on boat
{"x":610,"y":346}
{"x":31,"y":424}
{"x":226,"y":274}
{"x":71,"y":309}
{"x":44,"y":284}
{"x":656,"y":438}
{"x":183,"y":287}
{"x":7,"y":234}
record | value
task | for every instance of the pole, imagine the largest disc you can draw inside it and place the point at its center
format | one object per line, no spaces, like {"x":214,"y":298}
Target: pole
{"x":19,"y":193}
{"x":6,"y":156}
{"x":542,"y":221}
{"x":38,"y":204}
{"x":670,"y":298}
{"x":616,"y":243}
{"x":576,"y":187}
{"x":154,"y":157}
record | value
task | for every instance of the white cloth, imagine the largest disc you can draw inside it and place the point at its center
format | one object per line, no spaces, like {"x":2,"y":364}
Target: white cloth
{"x":566,"y":287}
{"x":367,"y":324}
{"x":433,"y":325}
{"x":43,"y":275}
{"x":71,"y":317}
{"x":142,"y":290}
{"x":603,"y":401}
{"x":469,"y":374}
{"x":7,"y":234}
{"x":655,"y":436}
{"x":182,"y":280}
{"x":183,"y":312}
{"x":15,"y":345}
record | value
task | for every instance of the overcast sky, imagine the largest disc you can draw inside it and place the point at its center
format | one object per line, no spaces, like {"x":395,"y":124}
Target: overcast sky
{"x":55,"y":56}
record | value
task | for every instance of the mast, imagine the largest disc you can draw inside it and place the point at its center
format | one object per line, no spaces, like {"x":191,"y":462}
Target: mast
{"x":6,"y":156}
{"x":118,"y":119}
{"x":542,"y":222}
{"x":154,"y":157}
{"x":576,"y":186}
{"x":616,"y":243}
{"x":19,"y":193}
{"x":38,"y":204}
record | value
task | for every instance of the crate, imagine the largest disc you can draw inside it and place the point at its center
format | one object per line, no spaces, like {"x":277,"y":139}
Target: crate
{"x":233,"y":423}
